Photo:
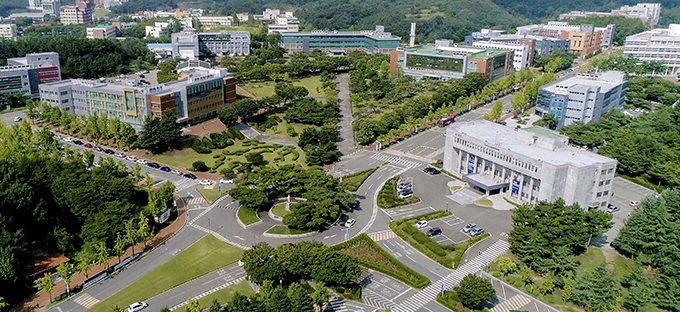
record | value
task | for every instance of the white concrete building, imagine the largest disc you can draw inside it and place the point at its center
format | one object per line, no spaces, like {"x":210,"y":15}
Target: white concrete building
{"x":211,"y":21}
{"x":284,"y":24}
{"x":101,"y":32}
{"x":242,"y":17}
{"x":661,"y":44}
{"x":8,"y":31}
{"x":646,"y":12}
{"x":582,"y":98}
{"x":190,"y":45}
{"x":524,"y":54}
{"x":157,"y":30}
{"x":527,"y":165}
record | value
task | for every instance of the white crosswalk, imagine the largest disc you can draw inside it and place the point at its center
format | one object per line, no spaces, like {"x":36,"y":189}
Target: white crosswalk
{"x":430,"y":292}
{"x":86,"y":301}
{"x":196,"y":201}
{"x":382,"y":235}
{"x":396,"y":160}
{"x":514,"y":303}
{"x":184,"y":184}
{"x":218,"y":288}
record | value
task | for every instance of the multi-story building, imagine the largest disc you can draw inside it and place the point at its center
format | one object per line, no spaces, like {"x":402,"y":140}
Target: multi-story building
{"x":523,"y":55}
{"x":191,"y":45}
{"x":34,"y":4}
{"x":338,"y":43}
{"x":50,"y":7}
{"x":120,"y":26}
{"x":584,"y":40}
{"x":445,"y":61}
{"x":646,"y":12}
{"x":661,"y":45}
{"x":527,"y":165}
{"x":79,"y":13}
{"x":582,"y":98}
{"x":284,"y":24}
{"x":242,"y":17}
{"x":157,"y":30}
{"x":542,"y":45}
{"x":101,"y":32}
{"x":211,"y":21}
{"x":194,"y":97}
{"x":8,"y":31}
{"x":25,"y":74}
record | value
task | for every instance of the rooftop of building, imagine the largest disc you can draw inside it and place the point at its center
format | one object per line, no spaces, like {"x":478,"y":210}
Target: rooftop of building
{"x":531,"y":143}
{"x":377,"y":34}
{"x":605,"y":80}
{"x":455,"y":50}
{"x":101,"y":26}
{"x":672,"y":32}
{"x":489,"y":52}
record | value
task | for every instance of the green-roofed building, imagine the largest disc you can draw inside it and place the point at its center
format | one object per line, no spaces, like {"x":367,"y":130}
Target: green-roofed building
{"x":445,"y":60}
{"x":339,"y":42}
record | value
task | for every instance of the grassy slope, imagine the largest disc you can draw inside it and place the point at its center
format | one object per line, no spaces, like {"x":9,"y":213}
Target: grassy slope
{"x":266,"y":88}
{"x":206,"y":255}
{"x":211,"y":195}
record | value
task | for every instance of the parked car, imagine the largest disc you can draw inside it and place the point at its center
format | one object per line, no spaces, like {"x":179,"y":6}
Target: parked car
{"x":96,"y":164}
{"x":350,"y":222}
{"x":119,"y":155}
{"x":137,"y":306}
{"x":190,"y":176}
{"x":405,"y":194}
{"x":634,"y":203}
{"x":78,"y":142}
{"x":141,"y":161}
{"x":153,"y":165}
{"x":431,"y":170}
{"x":227,"y":181}
{"x":205,"y":182}
{"x":612,"y":209}
{"x":177,"y":172}
{"x":57,"y":137}
{"x":96,"y":148}
{"x":88,"y":145}
{"x":434,"y":231}
{"x":421,"y":224}
{"x":469,"y":227}
{"x":18,"y":119}
{"x":165,"y":169}
{"x":68,"y":139}
{"x":109,"y":151}
{"x":131,"y":158}
{"x":476,"y":231}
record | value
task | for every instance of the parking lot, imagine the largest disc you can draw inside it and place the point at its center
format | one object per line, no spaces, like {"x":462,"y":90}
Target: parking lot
{"x":382,"y":291}
{"x":451,"y":227}
{"x":623,"y":193}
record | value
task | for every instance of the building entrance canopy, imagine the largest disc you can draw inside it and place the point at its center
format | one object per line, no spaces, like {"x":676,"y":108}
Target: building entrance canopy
{"x":484,"y":181}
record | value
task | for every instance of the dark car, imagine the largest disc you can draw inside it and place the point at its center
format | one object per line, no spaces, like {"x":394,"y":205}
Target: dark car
{"x":434,"y":231}
{"x":190,"y":176}
{"x":78,"y":142}
{"x":431,"y":170}
{"x":165,"y":169}
{"x":109,"y":151}
{"x":153,"y":165}
{"x":469,"y":227}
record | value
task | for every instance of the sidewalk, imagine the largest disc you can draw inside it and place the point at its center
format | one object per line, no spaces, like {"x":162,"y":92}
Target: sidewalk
{"x":38,"y":301}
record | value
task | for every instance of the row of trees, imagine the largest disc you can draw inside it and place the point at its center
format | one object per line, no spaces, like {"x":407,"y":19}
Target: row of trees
{"x":642,"y":91}
{"x":529,"y":93}
{"x":297,"y":297}
{"x":259,"y":188}
{"x":554,"y":63}
{"x":627,"y":64}
{"x":644,"y":146}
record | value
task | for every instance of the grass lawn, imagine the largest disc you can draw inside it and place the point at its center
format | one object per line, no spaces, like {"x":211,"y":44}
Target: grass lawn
{"x":204,"y":256}
{"x":591,"y":259}
{"x":224,"y":295}
{"x":373,"y":256}
{"x":284,"y":230}
{"x":185,"y":157}
{"x":281,"y":129}
{"x":456,"y":187}
{"x":352,"y":182}
{"x":280,"y":210}
{"x":211,"y":195}
{"x":247,"y":215}
{"x":387,"y":198}
{"x":266,"y":88}
{"x":484,"y":202}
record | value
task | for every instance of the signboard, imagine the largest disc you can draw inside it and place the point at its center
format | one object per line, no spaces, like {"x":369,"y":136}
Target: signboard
{"x":515,"y":185}
{"x":471,"y":164}
{"x":163,"y":217}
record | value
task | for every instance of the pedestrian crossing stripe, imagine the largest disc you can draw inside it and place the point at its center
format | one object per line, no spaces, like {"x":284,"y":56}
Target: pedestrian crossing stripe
{"x":184,"y":184}
{"x":514,"y":303}
{"x":375,"y":299}
{"x":396,"y":160}
{"x":218,"y":288}
{"x":196,"y":201}
{"x":383,"y":235}
{"x":429,"y":293}
{"x":86,"y":301}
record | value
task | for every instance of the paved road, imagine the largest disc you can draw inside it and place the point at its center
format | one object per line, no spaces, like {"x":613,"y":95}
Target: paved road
{"x":346,"y":144}
{"x":8,"y":118}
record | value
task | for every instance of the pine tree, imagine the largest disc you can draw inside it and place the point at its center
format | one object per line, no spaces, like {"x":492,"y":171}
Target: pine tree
{"x":596,"y":290}
{"x":300,"y":300}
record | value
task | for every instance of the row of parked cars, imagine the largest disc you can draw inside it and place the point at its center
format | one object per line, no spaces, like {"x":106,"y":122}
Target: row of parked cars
{"x":472,"y":230}
{"x":405,"y":188}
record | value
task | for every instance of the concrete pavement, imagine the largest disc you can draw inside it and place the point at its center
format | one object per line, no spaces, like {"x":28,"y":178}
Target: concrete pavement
{"x":346,"y":144}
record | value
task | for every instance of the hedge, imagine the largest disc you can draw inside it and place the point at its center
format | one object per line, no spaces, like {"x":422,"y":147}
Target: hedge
{"x":415,"y":279}
{"x":449,"y":301}
{"x":387,"y":198}
{"x":423,"y":243}
{"x":352,"y":182}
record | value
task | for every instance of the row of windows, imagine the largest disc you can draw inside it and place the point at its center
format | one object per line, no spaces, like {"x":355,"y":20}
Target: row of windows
{"x":498,"y":155}
{"x":600,"y":194}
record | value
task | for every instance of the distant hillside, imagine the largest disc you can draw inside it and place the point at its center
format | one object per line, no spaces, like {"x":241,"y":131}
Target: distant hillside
{"x":436,"y":19}
{"x":541,"y":9}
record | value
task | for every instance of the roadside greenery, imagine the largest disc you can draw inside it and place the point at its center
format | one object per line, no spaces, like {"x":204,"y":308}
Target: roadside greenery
{"x":160,"y":135}
{"x":555,"y":63}
{"x":627,"y":64}
{"x":247,"y":215}
{"x":387,"y":197}
{"x":257,"y":190}
{"x":472,"y":293}
{"x":529,"y":93}
{"x":285,"y":230}
{"x":297,"y":296}
{"x":371,"y":255}
{"x":352,"y":182}
{"x":644,"y":146}
{"x":644,"y":92}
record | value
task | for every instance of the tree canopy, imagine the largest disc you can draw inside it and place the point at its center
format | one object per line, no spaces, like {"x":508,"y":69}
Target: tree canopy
{"x":160,"y":134}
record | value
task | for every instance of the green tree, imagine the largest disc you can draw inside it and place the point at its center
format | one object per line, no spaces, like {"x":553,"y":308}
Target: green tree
{"x":148,"y":180}
{"x":199,"y":165}
{"x":131,"y":234}
{"x":506,"y":265}
{"x":119,"y":246}
{"x":85,"y":261}
{"x":65,"y":271}
{"x":596,"y":290}
{"x":144,"y":231}
{"x":278,"y":301}
{"x":3,"y":303}
{"x":546,"y":285}
{"x":159,"y":135}
{"x":227,"y":115}
{"x":300,"y":300}
{"x":474,"y":291}
{"x":46,"y":284}
{"x":193,"y":306}
{"x":495,"y":112}
{"x":320,"y":296}
{"x":102,"y":254}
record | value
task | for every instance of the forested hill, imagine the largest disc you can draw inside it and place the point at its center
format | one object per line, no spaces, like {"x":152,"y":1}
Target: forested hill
{"x":541,"y":9}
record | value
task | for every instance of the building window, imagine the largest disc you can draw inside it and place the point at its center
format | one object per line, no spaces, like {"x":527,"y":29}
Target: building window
{"x":599,"y":194}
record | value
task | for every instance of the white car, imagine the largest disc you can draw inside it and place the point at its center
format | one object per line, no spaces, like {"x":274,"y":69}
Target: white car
{"x":96,"y":164}
{"x":68,"y":139}
{"x":350,"y":222}
{"x":141,"y":161}
{"x":205,"y":182}
{"x":634,"y":203}
{"x":131,"y":158}
{"x":227,"y":181}
{"x":18,"y":119}
{"x":137,"y":306}
{"x":177,"y":172}
{"x":119,"y":155}
{"x":421,"y":224}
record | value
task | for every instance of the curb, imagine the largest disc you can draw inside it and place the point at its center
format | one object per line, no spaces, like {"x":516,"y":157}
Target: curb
{"x":288,"y":235}
{"x":243,"y":225}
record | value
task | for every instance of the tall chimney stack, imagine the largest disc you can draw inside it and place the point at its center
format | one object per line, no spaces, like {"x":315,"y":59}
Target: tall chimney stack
{"x":412,"y":40}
